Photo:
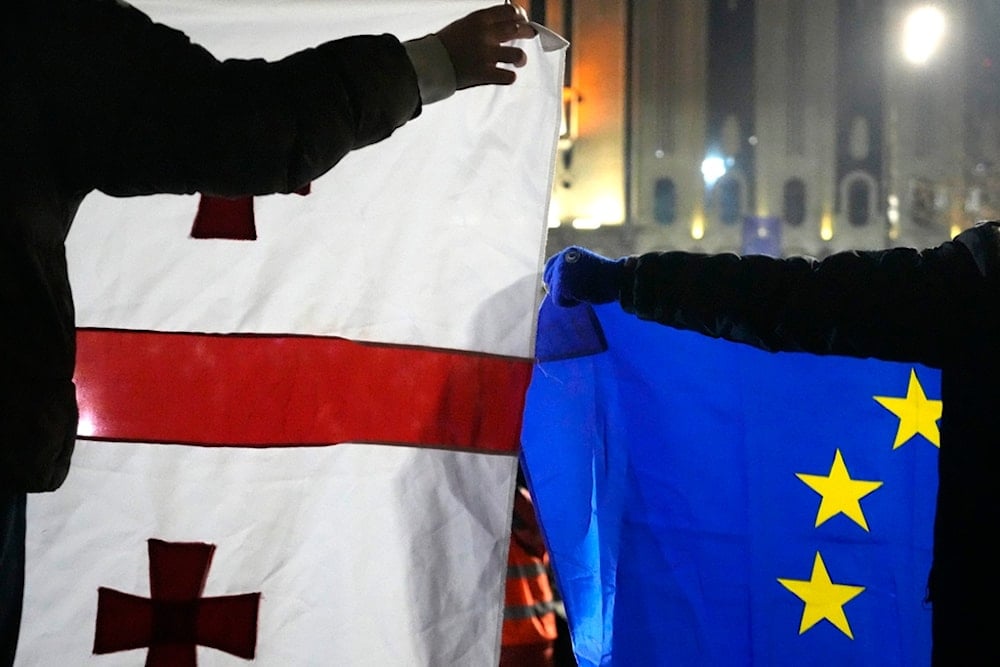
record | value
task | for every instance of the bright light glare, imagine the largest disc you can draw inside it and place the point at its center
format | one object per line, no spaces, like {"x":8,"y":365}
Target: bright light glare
{"x":826,"y":227}
{"x":608,"y":209}
{"x":698,"y":227}
{"x":586,"y":223}
{"x":86,"y":425}
{"x":713,"y":168}
{"x":555,"y":216}
{"x":922,"y":33}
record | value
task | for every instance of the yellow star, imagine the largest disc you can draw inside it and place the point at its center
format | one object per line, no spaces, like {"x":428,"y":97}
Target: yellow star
{"x":916,"y":413}
{"x":823,"y":598}
{"x":840,"y":493}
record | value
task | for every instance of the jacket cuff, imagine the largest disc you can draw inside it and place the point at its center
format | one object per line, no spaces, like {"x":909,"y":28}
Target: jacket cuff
{"x":435,"y":73}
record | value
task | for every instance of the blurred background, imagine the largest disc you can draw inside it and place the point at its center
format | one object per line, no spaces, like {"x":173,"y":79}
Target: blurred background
{"x":781,"y":127}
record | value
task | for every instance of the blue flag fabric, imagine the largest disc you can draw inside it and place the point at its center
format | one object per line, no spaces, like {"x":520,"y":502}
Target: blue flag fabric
{"x":706,"y":503}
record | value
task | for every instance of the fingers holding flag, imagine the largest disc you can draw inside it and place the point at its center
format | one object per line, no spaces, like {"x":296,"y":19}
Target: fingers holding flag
{"x":475,"y":44}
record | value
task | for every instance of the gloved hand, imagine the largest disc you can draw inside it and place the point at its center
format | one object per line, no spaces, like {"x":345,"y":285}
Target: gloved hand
{"x":577,"y":274}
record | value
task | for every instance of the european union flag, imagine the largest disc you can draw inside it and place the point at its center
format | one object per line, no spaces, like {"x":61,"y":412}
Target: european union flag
{"x":706,"y":503}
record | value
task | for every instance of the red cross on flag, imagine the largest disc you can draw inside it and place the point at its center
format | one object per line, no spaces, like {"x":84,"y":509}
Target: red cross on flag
{"x":300,"y":448}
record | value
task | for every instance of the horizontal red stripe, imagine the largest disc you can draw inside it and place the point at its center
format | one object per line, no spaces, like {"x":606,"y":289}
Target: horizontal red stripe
{"x":266,"y":391}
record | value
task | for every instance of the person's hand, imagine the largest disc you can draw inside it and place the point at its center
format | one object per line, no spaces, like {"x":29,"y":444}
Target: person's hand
{"x":577,"y":274}
{"x":475,"y":45}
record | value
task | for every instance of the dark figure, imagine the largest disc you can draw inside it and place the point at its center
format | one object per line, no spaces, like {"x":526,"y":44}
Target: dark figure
{"x":96,"y":96}
{"x":937,"y":307}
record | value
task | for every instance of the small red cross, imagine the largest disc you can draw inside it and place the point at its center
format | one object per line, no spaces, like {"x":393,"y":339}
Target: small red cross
{"x":176,"y":618}
{"x":225,"y":218}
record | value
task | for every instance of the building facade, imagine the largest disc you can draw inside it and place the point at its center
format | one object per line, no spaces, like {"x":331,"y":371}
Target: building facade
{"x":776,"y":126}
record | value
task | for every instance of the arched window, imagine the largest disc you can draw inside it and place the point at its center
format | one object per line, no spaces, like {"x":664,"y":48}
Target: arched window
{"x":858,"y":202}
{"x":795,"y":201}
{"x":664,"y":201}
{"x":729,"y":200}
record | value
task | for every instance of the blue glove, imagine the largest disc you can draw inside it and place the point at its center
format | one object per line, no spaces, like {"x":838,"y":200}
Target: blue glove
{"x":577,"y":274}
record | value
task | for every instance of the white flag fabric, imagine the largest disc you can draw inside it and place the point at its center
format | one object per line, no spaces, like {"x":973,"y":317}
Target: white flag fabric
{"x":301,"y":449}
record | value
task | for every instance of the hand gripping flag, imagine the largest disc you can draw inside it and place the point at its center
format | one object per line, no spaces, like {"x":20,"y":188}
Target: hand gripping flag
{"x":301,"y":449}
{"x":709,"y":504}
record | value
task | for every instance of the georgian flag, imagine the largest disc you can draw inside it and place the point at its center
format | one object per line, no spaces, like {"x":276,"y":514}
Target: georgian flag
{"x":300,"y":449}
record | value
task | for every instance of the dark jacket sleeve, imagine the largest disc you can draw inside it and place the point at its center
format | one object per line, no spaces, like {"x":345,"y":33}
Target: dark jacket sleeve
{"x":136,"y":108}
{"x":898,"y":304}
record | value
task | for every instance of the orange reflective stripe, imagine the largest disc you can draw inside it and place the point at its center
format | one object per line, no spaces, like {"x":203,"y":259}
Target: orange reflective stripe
{"x":529,"y":611}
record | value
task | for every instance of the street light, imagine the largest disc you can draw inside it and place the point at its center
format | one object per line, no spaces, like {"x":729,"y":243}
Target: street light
{"x":713,"y":168}
{"x":922,"y":33}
